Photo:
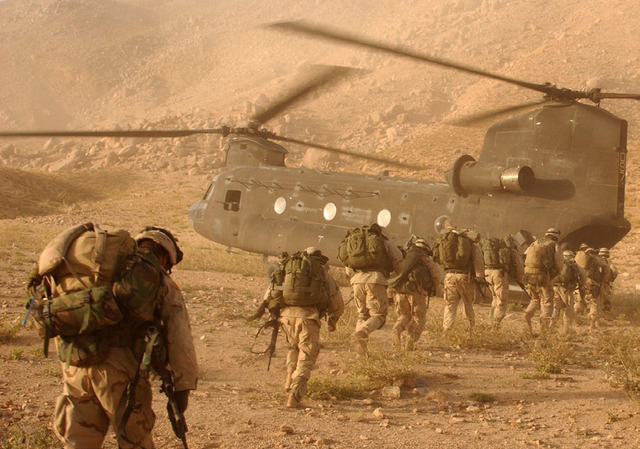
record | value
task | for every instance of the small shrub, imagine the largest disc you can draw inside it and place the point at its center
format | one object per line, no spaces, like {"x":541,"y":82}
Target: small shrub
{"x":21,"y":436}
{"x":482,"y":397}
{"x":548,"y":353}
{"x":8,"y":332}
{"x":324,"y":388}
{"x":16,"y":354}
{"x":622,"y":359}
{"x":382,"y":368}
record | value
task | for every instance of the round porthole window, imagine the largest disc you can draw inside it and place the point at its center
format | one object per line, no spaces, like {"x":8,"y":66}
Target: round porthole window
{"x":330,"y":211}
{"x":384,"y":218}
{"x":280,"y":206}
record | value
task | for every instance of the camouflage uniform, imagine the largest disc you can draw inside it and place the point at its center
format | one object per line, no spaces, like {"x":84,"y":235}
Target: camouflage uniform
{"x":610,"y":274}
{"x":411,"y":307}
{"x":370,"y":296}
{"x":595,"y":267}
{"x":498,"y":280}
{"x":564,"y":285}
{"x":91,"y":398}
{"x":539,"y":278}
{"x":301,"y":326}
{"x":459,"y":285}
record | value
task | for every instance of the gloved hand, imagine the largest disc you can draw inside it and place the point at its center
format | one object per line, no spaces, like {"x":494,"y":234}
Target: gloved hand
{"x":33,"y":281}
{"x":331,"y":324}
{"x":182,"y":399}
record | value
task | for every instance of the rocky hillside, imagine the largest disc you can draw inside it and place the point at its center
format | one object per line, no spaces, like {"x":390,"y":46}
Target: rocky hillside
{"x":109,"y":64}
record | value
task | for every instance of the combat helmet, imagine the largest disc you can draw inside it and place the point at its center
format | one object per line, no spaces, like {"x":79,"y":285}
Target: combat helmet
{"x":568,"y":254}
{"x":604,"y":252}
{"x":584,"y":247}
{"x":422,"y":243}
{"x":165,"y":239}
{"x":552,"y":232}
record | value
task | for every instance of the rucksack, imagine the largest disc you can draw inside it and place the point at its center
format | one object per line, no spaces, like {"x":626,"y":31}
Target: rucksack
{"x":453,"y":250}
{"x":415,"y":276}
{"x":301,"y":281}
{"x":92,"y":281}
{"x":540,"y":256}
{"x":590,"y":265}
{"x":364,"y":249}
{"x":495,"y":253}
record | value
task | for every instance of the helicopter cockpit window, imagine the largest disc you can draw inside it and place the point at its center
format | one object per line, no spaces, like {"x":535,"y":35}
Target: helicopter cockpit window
{"x":280,"y":205}
{"x":330,"y":211}
{"x":384,"y":218}
{"x":232,"y":200}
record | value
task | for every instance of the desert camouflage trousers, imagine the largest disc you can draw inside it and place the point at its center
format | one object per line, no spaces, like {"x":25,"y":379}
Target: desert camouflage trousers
{"x":595,"y":302}
{"x":89,"y":402}
{"x":411,"y":309}
{"x":457,"y":287}
{"x":303,"y":337}
{"x":372,"y":303}
{"x":563,"y":299}
{"x":606,"y":297}
{"x":498,"y":281}
{"x":540,"y":291}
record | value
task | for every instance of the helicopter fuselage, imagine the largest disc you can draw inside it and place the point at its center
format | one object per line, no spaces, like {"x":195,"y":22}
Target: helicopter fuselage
{"x":578,"y":188}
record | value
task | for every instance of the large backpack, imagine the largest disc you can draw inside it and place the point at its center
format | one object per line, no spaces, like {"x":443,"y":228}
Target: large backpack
{"x":454,"y":250}
{"x":416,"y":276}
{"x":364,"y":249}
{"x":92,"y":281}
{"x":301,"y":281}
{"x":590,"y":265}
{"x":540,"y":256}
{"x":495,"y":253}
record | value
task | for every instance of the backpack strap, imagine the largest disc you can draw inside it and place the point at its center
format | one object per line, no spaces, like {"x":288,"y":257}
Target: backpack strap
{"x":98,"y":252}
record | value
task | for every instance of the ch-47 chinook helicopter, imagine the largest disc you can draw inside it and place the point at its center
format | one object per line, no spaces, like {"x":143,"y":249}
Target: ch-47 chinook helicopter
{"x":562,"y":165}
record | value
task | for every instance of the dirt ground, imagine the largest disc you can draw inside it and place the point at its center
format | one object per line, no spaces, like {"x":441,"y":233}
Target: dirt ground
{"x":239,"y":404}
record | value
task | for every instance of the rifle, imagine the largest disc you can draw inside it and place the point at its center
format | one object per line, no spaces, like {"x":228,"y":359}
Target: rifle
{"x":176,"y":416}
{"x":178,"y":423}
{"x":273,"y":323}
{"x":480,"y":284}
{"x":524,"y":288}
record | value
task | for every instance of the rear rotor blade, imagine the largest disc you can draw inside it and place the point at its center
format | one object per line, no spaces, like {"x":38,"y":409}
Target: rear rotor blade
{"x":476,"y":118}
{"x":323,"y":76}
{"x":381,"y":160}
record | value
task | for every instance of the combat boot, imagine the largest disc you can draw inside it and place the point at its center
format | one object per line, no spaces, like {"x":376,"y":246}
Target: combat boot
{"x":287,"y":382}
{"x":527,"y":324}
{"x":360,"y":338}
{"x":410,"y":345}
{"x":397,"y":338}
{"x":292,"y":401}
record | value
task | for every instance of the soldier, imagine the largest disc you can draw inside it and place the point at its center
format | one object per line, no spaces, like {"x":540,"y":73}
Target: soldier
{"x":564,"y":285}
{"x":418,"y":280}
{"x":595,"y":268}
{"x":610,"y":274}
{"x":301,"y":326}
{"x":543,"y":262}
{"x":95,"y":395}
{"x":503,"y":262}
{"x":370,"y":287}
{"x":458,"y":252}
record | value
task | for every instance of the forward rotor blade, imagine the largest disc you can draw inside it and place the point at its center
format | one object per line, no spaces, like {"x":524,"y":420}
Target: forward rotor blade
{"x":323,"y":32}
{"x":121,"y":133}
{"x":378,"y":159}
{"x":476,"y":118}
{"x":324,"y":75}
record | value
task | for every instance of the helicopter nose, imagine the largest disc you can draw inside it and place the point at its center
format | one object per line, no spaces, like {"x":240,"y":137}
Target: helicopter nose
{"x":196,"y":213}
